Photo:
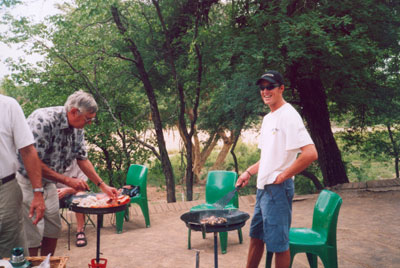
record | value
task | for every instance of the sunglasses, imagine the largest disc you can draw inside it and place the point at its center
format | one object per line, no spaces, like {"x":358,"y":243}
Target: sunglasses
{"x":268,"y":87}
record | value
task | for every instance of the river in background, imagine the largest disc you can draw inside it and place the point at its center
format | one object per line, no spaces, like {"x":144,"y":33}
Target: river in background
{"x":174,"y":142}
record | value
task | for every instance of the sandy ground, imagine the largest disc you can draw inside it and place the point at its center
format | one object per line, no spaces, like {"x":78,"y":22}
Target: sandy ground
{"x":368,"y":236}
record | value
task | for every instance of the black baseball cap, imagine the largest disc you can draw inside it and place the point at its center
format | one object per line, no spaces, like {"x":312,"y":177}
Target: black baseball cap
{"x":272,"y":77}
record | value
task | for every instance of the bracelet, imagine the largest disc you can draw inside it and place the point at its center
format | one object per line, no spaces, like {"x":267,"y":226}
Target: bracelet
{"x":100,"y":183}
{"x":249,"y":173}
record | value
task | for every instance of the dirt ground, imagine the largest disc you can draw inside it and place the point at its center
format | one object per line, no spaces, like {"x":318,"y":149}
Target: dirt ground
{"x":367,"y":236}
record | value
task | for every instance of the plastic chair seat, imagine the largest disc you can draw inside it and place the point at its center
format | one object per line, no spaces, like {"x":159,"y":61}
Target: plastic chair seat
{"x":306,"y":237}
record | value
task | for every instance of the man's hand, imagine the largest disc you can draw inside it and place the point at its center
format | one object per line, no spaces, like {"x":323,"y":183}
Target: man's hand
{"x":279,"y":179}
{"x":37,"y":206}
{"x":77,"y":184}
{"x":110,"y":191}
{"x":243,"y":179}
{"x":62,"y":192}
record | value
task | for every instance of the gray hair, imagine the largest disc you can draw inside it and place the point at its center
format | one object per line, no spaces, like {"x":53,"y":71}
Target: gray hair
{"x":82,"y":101}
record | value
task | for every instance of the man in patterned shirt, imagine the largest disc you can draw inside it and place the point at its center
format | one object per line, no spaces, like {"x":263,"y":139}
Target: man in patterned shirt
{"x":59,"y":139}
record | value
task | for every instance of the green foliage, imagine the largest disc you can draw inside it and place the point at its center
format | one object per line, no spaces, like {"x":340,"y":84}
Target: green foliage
{"x":9,"y":3}
{"x":368,"y":154}
{"x":82,"y":56}
{"x":352,"y":50}
{"x":247,"y":154}
{"x":156,"y":176}
{"x":304,"y":185}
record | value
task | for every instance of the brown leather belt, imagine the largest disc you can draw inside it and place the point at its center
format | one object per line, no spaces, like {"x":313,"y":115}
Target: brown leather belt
{"x":7,"y":179}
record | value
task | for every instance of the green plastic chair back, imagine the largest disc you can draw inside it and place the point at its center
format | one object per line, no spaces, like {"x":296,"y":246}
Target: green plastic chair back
{"x":137,"y":175}
{"x":326,"y":213}
{"x":219,"y":183}
{"x":320,"y":240}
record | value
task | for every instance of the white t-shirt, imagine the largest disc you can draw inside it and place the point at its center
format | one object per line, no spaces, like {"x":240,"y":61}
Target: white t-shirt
{"x":282,"y":135}
{"x":73,"y":171}
{"x":14,"y":134}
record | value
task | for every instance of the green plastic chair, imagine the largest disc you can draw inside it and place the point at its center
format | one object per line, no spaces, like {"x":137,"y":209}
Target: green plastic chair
{"x":219,"y":183}
{"x":320,"y":240}
{"x":137,"y":175}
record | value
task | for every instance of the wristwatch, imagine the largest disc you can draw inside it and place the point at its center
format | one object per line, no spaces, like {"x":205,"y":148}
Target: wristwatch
{"x":41,"y":190}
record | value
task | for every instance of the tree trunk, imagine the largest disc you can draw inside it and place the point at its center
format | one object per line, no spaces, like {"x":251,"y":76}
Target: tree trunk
{"x":155,"y":114}
{"x":315,"y":110}
{"x":313,"y":178}
{"x":233,"y":152}
{"x":228,"y":141}
{"x":200,"y":155}
{"x":108,"y":164}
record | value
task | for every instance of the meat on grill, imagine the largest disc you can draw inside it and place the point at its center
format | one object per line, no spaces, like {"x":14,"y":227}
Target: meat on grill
{"x":212,"y":220}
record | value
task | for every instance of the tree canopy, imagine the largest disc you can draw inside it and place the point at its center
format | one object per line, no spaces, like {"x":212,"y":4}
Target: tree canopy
{"x":154,"y":64}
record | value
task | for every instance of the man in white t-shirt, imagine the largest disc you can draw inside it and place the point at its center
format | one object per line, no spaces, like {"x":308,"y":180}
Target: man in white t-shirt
{"x":15,"y":134}
{"x":283,"y":138}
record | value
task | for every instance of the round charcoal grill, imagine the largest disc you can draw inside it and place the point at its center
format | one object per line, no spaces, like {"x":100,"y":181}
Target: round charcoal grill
{"x":235,"y":219}
{"x":99,"y":212}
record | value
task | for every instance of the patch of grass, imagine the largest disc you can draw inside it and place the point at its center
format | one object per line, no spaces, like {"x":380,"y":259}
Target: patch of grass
{"x":359,"y":169}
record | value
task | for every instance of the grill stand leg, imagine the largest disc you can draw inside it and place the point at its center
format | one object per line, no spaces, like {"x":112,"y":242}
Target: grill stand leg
{"x":99,"y":223}
{"x":215,"y":249}
{"x":197,"y":259}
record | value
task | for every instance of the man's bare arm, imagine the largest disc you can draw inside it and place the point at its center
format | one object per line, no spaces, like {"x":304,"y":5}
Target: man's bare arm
{"x":77,"y":184}
{"x":87,"y":167}
{"x":244,"y":178}
{"x":32,"y":165}
{"x":308,"y":155}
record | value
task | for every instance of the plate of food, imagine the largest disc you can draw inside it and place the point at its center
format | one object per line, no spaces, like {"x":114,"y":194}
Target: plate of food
{"x":97,"y":203}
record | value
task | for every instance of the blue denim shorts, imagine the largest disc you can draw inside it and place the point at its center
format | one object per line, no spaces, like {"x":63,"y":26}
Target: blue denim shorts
{"x":273,"y":215}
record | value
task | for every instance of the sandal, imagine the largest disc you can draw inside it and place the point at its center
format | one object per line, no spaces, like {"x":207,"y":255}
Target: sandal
{"x":80,"y":239}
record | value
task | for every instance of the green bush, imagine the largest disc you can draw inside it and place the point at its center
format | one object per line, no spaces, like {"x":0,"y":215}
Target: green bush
{"x":155,"y":175}
{"x":303,"y":185}
{"x":364,"y":157}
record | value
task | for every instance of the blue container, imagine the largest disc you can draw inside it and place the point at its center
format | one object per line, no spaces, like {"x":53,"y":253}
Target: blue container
{"x":18,"y":259}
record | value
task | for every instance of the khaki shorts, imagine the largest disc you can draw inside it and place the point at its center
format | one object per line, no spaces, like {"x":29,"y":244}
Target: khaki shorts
{"x":11,"y":228}
{"x":50,"y":225}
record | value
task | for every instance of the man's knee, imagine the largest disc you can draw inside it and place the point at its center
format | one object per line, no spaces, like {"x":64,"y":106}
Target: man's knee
{"x":257,"y":242}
